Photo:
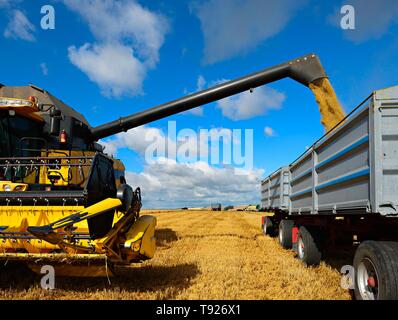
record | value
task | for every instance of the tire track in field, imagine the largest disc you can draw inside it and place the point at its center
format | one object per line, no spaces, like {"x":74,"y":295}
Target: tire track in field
{"x":287,"y":277}
{"x":216,"y":255}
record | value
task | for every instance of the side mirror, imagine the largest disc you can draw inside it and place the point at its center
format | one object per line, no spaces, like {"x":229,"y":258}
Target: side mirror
{"x":55,"y":123}
{"x":122,"y":180}
{"x":125,"y":195}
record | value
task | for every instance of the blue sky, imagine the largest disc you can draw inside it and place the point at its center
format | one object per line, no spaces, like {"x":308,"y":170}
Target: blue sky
{"x":109,"y":59}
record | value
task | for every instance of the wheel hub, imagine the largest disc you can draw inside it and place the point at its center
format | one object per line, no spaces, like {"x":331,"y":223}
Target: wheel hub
{"x":367,"y":280}
{"x":300,"y":248}
{"x":372,"y":282}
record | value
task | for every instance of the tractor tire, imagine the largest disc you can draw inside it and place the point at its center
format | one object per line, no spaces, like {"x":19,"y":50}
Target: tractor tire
{"x":269,"y":227}
{"x":285,"y":233}
{"x":376,"y":270}
{"x":308,"y":246}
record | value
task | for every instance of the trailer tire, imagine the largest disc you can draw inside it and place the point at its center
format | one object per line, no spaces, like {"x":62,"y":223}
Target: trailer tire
{"x":269,"y":227}
{"x":308,"y":246}
{"x":376,"y":270}
{"x":285,"y":233}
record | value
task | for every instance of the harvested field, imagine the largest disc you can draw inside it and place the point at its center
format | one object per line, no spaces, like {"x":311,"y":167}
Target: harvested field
{"x":201,"y":255}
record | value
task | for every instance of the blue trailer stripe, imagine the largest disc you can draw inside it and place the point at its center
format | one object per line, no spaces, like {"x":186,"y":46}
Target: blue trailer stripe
{"x":301,"y":175}
{"x":344,"y":179}
{"x":300,"y":193}
{"x":342,"y":152}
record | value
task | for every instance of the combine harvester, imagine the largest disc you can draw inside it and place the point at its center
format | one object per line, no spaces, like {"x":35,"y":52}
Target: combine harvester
{"x":64,"y":202}
{"x":343,"y":191}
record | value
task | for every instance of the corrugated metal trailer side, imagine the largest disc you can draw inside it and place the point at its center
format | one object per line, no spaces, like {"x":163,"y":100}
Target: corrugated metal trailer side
{"x":301,"y":184}
{"x":341,"y":166}
{"x":334,"y":174}
{"x":344,"y":191}
{"x":275,"y":190}
{"x":354,"y":169}
{"x":265,"y":194}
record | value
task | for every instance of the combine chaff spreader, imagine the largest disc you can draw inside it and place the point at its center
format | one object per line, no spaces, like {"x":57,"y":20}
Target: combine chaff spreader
{"x":63,"y":201}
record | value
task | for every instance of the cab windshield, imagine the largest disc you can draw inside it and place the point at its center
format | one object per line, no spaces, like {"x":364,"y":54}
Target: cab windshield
{"x":19,"y":136}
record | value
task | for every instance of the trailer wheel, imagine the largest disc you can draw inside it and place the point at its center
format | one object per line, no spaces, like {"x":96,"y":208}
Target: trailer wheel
{"x":376,"y":271}
{"x":308,"y":246}
{"x":269,"y":227}
{"x":285,"y":233}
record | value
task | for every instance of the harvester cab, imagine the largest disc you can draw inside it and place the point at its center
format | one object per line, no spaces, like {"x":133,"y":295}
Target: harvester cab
{"x":63,"y":199}
{"x":60,"y":195}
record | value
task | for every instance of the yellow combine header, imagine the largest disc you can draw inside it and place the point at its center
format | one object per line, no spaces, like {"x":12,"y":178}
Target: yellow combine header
{"x":57,"y":223}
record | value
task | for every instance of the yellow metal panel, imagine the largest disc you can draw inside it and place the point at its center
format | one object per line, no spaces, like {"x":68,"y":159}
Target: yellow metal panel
{"x":141,"y":238}
{"x":19,"y":218}
{"x":17,"y":187}
{"x":37,"y":215}
{"x":89,"y":212}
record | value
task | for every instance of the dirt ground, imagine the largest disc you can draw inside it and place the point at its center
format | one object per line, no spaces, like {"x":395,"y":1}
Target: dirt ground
{"x":200,"y":255}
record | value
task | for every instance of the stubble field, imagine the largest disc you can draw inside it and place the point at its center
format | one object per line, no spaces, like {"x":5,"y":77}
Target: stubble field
{"x":200,"y":255}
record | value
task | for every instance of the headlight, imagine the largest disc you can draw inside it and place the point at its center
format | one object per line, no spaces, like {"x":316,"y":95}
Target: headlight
{"x":9,"y":102}
{"x":7,"y":188}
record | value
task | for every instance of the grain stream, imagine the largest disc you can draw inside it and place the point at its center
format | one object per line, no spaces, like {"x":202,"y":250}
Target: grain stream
{"x":329,"y":106}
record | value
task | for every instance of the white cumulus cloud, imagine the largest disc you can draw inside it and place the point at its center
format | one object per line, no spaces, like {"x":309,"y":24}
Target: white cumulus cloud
{"x":110,"y":147}
{"x":200,"y":85}
{"x":112,"y":66}
{"x":269,"y":132}
{"x":140,"y":138}
{"x":247,"y":105}
{"x":19,"y":27}
{"x":44,"y":68}
{"x":9,"y":3}
{"x":244,"y":105}
{"x":169,"y":184}
{"x":232,"y":27}
{"x":4,"y":3}
{"x":128,"y":39}
{"x":186,"y":146}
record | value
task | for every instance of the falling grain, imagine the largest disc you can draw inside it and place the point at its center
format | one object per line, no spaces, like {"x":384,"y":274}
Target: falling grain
{"x":329,"y":106}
